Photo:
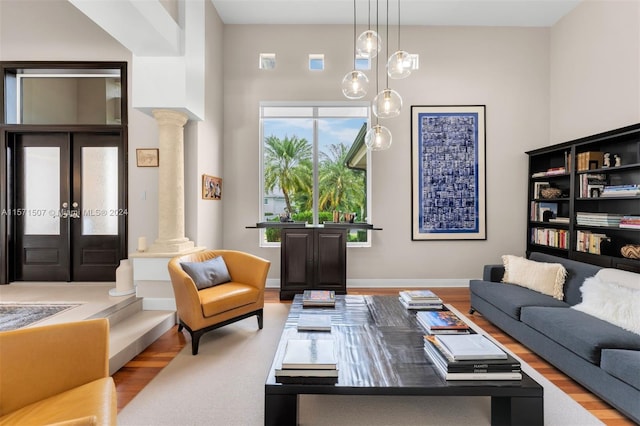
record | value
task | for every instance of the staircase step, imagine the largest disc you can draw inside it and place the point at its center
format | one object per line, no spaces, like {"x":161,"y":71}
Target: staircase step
{"x":121,"y":311}
{"x":131,"y":335}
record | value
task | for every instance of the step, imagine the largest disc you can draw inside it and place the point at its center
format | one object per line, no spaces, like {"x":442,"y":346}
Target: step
{"x":121,"y":310}
{"x":133,"y":334}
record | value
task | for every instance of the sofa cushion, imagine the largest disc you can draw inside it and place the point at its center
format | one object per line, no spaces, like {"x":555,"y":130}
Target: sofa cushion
{"x":623,"y":364}
{"x":543,"y":277}
{"x":618,"y":276}
{"x":577,"y":272}
{"x":511,"y":298}
{"x":611,"y":302}
{"x":207,"y":273}
{"x":582,"y":334}
{"x":225,"y":297}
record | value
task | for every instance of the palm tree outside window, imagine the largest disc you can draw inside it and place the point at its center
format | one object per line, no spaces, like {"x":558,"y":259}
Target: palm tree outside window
{"x":307,"y":165}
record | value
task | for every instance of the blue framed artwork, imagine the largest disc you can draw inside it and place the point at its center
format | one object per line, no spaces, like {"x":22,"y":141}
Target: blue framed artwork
{"x":448,"y":172}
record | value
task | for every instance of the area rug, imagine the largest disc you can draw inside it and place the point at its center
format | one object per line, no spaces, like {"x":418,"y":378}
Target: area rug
{"x":224,"y":385}
{"x":18,"y":315}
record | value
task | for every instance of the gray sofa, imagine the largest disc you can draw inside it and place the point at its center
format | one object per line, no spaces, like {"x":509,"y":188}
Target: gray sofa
{"x":602,"y":357}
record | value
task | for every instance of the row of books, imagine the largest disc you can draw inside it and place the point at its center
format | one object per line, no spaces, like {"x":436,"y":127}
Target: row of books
{"x":589,"y":160}
{"x":558,"y":238}
{"x":308,"y":361}
{"x":630,"y":221}
{"x":598,"y":219}
{"x":592,"y":185}
{"x":470,"y":357}
{"x":419,"y":299}
{"x":589,"y":242}
{"x":442,"y":322}
{"x":630,"y":190}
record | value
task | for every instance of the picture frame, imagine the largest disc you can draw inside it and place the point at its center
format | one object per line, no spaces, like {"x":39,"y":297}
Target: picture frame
{"x":211,"y":187}
{"x":147,"y":157}
{"x":448,"y":187}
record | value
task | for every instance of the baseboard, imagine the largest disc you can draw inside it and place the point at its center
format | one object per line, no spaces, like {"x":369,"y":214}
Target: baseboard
{"x":393,"y":283}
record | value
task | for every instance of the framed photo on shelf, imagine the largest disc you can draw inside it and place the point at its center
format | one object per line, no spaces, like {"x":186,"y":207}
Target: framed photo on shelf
{"x":211,"y":187}
{"x":448,"y":172}
{"x":147,"y":157}
{"x":538,"y":187}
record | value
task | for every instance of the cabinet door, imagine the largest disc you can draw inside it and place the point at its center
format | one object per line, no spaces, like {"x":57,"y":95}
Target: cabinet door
{"x":296,"y":261}
{"x":331,"y":259}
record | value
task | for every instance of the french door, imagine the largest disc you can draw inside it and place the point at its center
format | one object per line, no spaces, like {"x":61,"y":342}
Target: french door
{"x":69,"y":210}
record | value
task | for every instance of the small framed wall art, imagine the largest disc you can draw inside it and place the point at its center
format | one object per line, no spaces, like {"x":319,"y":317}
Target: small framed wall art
{"x":147,"y":157}
{"x":211,"y":187}
{"x":448,"y":172}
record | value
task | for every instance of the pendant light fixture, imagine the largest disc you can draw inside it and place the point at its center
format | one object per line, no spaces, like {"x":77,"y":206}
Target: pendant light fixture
{"x":356,"y":83}
{"x":399,"y":64}
{"x":378,"y":137}
{"x":388,"y":103}
{"x":369,"y":43}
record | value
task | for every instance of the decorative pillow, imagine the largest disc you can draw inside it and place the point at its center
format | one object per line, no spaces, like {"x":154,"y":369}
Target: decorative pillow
{"x":208,"y":273}
{"x":545,"y":278}
{"x":613,"y":303}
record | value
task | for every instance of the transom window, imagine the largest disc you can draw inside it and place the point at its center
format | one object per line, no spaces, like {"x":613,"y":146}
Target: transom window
{"x":314,"y":165}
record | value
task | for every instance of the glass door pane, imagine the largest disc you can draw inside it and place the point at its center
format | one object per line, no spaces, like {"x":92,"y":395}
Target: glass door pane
{"x":99,"y":210}
{"x":41,"y":191}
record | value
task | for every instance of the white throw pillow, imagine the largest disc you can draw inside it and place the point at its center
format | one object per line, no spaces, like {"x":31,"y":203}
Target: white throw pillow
{"x":545,"y":278}
{"x":616,"y":304}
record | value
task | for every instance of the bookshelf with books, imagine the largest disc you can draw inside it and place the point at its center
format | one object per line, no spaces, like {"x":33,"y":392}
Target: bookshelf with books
{"x":593,"y":210}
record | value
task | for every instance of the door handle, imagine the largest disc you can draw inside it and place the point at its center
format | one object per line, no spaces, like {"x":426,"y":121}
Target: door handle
{"x":75,"y":213}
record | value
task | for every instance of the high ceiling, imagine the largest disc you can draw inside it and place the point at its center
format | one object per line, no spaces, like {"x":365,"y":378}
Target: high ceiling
{"x":527,"y":13}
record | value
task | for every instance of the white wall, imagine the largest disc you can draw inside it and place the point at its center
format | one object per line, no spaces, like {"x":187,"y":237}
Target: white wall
{"x":507,"y":69}
{"x":57,"y":31}
{"x":595,"y":69}
{"x":203,"y":145}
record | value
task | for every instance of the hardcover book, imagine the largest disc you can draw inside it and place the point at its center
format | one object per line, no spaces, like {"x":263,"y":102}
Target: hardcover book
{"x":441,"y":320}
{"x":310,"y":354}
{"x":431,"y":346}
{"x":309,"y":322}
{"x":470,"y":347}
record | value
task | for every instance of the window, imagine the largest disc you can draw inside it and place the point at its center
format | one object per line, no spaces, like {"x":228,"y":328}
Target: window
{"x":267,"y":61}
{"x":316,"y":62}
{"x":314,"y":163}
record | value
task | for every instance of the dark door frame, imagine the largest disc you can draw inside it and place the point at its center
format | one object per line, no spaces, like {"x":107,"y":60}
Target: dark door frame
{"x":9,"y":68}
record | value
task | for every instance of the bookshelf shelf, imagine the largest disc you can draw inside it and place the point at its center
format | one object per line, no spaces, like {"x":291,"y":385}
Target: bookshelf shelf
{"x":584,"y":169}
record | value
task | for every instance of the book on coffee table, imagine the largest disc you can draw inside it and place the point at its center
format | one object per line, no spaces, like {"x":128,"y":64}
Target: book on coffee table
{"x":310,"y":322}
{"x":442,"y":322}
{"x":432,"y":348}
{"x":319,"y":298}
{"x":310,"y":354}
{"x":469,"y":346}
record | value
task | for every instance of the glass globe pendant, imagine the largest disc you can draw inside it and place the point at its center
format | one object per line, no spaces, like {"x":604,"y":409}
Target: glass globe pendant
{"x":355,"y":84}
{"x":368,"y":44}
{"x":378,"y":138}
{"x":399,"y":65}
{"x":387,"y":104}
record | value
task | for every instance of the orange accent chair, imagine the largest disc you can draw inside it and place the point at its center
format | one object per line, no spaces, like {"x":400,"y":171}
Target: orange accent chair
{"x":200,"y":311}
{"x":57,"y":374}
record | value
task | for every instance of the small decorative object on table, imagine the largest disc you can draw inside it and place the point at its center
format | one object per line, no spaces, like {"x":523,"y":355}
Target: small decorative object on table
{"x":618,"y":160}
{"x":285,"y":216}
{"x":606,"y":162}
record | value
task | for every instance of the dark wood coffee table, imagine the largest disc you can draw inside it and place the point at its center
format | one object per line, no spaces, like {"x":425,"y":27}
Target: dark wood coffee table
{"x":380,"y":352}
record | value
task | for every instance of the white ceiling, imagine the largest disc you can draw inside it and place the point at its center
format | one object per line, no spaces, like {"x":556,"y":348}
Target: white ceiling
{"x":527,"y":13}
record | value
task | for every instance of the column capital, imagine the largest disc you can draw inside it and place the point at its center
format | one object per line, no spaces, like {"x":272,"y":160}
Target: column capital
{"x":170,"y":117}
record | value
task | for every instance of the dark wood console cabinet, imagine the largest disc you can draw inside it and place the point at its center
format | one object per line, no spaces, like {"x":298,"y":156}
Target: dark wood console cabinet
{"x":313,"y":258}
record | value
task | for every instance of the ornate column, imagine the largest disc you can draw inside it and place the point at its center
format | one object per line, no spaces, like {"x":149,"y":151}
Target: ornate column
{"x":171,"y":238}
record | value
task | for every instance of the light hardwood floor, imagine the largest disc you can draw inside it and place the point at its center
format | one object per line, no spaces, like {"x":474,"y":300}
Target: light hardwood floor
{"x":135,"y":375}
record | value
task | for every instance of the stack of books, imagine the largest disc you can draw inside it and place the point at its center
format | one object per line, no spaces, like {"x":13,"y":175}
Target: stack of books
{"x":630,"y":221}
{"x":420,"y":299}
{"x":589,"y":242}
{"x":631,"y":190}
{"x":308,"y":361}
{"x":598,"y":219}
{"x":470,"y":357}
{"x":324,"y":298}
{"x":442,"y":322}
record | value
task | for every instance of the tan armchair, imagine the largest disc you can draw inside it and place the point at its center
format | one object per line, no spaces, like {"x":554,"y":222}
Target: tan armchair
{"x":200,"y":311}
{"x":57,"y":374}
